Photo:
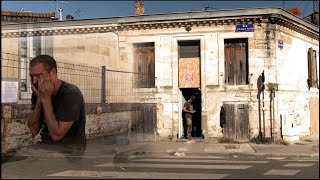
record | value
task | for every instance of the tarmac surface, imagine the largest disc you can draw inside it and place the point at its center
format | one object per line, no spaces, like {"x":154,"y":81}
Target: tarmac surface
{"x":306,"y":147}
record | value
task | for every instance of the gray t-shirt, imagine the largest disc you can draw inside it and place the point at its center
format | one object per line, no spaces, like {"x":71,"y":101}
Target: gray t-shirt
{"x":189,"y":107}
{"x":68,"y":105}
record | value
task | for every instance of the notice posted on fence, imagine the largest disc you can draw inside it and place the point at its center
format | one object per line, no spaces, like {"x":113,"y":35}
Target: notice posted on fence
{"x":9,"y":91}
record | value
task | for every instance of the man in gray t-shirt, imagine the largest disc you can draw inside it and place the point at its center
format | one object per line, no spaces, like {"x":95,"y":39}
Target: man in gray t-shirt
{"x":188,"y":109}
{"x":58,"y":107}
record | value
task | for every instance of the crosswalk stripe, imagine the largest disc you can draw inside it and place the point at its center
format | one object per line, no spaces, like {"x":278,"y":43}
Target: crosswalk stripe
{"x":200,"y":161}
{"x":177,"y":157}
{"x":284,"y":172}
{"x":137,"y":175}
{"x":299,"y":160}
{"x":277,"y":158}
{"x":175,"y":166}
{"x":299,"y":164}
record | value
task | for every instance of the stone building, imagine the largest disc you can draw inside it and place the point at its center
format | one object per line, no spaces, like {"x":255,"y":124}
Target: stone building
{"x":260,"y":64}
{"x":313,"y":18}
{"x":20,"y":17}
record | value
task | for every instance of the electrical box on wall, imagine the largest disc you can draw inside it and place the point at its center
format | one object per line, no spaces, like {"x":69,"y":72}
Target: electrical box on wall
{"x":290,"y":130}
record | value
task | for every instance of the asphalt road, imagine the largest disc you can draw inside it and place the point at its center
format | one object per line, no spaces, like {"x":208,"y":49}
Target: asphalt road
{"x":159,"y":167}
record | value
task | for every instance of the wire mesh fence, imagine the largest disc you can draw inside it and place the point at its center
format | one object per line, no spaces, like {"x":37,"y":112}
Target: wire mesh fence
{"x":88,"y":79}
{"x":120,"y":86}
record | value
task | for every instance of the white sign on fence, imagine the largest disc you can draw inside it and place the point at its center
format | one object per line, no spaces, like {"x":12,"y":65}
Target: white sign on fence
{"x":9,"y":91}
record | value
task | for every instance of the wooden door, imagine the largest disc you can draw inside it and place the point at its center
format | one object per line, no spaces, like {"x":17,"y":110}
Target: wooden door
{"x":242,"y":122}
{"x":229,"y":127}
{"x":149,"y":118}
{"x":144,"y":123}
{"x":189,"y":65}
{"x":237,"y":122}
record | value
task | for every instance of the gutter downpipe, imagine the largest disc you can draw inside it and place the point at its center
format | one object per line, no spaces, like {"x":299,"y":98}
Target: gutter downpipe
{"x":273,"y":118}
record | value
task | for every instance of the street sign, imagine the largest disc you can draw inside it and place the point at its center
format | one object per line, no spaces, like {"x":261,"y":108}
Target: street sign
{"x":280,"y":44}
{"x":244,"y":28}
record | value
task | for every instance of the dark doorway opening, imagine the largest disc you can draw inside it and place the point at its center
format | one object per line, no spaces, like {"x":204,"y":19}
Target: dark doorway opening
{"x":196,"y":118}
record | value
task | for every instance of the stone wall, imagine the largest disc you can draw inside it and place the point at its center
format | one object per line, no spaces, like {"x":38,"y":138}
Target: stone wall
{"x":102,"y":121}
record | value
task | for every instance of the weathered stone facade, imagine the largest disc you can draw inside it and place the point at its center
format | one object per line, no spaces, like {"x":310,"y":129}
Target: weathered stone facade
{"x":101,"y":122}
{"x":110,"y":42}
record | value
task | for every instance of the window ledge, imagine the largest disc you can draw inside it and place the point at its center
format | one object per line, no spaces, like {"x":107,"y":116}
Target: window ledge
{"x":145,"y":89}
{"x":312,"y":89}
{"x":237,"y":87}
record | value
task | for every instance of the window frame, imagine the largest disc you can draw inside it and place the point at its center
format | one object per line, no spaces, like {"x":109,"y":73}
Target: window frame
{"x":143,"y":68}
{"x":244,"y":77}
{"x":313,"y":69}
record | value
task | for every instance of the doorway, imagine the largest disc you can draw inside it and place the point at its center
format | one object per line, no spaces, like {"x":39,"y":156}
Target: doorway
{"x":190,"y":83}
{"x":196,"y":117}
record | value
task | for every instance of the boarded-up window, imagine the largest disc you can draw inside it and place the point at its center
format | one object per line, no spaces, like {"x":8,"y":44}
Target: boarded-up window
{"x":236,"y":61}
{"x":145,"y":59}
{"x":189,"y":64}
{"x":312,"y":69}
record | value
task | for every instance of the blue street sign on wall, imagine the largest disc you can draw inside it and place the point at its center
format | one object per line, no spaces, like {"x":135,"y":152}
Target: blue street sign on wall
{"x":280,"y":44}
{"x":244,"y":28}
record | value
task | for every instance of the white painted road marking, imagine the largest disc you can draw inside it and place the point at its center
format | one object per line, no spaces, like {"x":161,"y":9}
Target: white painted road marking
{"x":199,"y":160}
{"x":137,"y":175}
{"x":177,"y":157}
{"x":283,"y":172}
{"x":277,"y":158}
{"x":174,"y":166}
{"x":299,"y":164}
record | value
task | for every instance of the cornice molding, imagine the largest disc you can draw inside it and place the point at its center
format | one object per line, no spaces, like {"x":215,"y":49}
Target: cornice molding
{"x":280,"y":20}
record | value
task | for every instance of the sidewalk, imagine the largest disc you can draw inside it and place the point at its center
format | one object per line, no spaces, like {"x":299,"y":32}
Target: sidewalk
{"x":306,"y":147}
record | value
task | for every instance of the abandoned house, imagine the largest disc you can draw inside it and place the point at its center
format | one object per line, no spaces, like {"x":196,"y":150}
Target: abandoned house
{"x":136,"y":72}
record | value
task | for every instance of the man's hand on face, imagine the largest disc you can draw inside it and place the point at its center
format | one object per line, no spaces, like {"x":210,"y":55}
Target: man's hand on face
{"x":45,"y":87}
{"x":34,"y":89}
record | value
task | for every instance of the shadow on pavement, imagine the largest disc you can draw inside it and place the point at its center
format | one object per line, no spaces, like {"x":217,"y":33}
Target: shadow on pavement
{"x":11,"y":158}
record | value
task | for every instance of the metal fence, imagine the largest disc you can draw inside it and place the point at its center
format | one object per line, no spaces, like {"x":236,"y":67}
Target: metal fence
{"x":97,"y":84}
{"x":120,"y":86}
{"x":88,"y":79}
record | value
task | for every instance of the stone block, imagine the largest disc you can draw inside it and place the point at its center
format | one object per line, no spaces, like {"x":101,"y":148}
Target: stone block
{"x":6,"y":113}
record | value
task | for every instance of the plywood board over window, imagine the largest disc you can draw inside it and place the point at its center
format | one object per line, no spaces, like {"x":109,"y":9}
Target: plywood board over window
{"x":189,"y":64}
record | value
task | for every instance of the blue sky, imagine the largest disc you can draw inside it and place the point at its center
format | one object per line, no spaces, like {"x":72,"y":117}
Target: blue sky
{"x":102,"y":9}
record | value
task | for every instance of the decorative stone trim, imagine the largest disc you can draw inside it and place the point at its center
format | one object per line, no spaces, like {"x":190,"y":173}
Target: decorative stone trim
{"x":164,"y":25}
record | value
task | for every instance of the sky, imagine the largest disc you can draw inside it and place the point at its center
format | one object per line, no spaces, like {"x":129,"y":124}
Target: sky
{"x":105,"y":9}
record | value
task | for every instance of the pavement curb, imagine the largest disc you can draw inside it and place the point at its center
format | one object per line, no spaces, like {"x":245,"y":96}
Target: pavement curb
{"x":313,"y":155}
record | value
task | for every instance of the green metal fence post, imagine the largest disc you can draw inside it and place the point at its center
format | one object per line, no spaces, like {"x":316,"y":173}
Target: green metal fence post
{"x":103,"y":85}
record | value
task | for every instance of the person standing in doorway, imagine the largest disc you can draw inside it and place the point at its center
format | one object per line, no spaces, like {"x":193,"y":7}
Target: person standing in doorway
{"x":188,"y":109}
{"x":58,"y":107}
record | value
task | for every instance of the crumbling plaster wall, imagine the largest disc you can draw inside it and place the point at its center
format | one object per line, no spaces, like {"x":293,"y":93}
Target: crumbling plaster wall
{"x":99,"y":123}
{"x":293,"y":95}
